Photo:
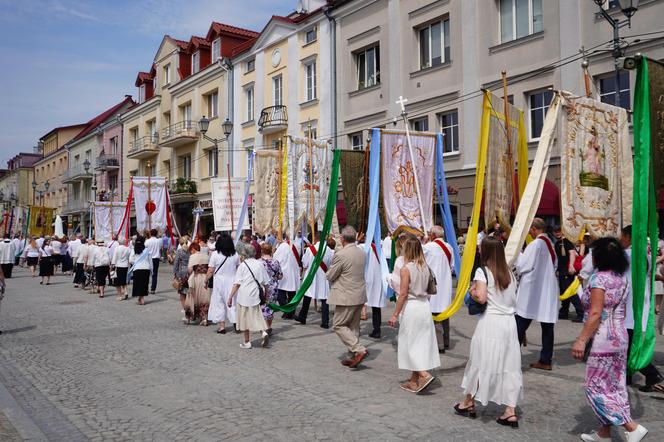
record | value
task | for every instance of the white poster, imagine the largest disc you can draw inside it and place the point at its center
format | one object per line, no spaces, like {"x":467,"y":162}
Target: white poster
{"x":222,"y":201}
{"x":149,"y":195}
{"x":109,"y":217}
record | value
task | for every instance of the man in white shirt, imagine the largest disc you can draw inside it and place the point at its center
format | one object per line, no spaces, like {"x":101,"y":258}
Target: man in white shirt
{"x":154,"y":245}
{"x":81,"y":259}
{"x":7,"y":256}
{"x":320,"y":287}
{"x":538,"y":293}
{"x":439,"y":258}
{"x":289,"y":260}
{"x":19,"y":247}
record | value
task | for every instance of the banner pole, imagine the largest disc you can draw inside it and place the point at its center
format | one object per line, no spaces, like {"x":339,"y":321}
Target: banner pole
{"x":230,"y":196}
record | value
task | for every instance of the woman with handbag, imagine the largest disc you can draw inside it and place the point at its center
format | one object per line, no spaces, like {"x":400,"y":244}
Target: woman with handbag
{"x":197,"y":302}
{"x":417,"y":349}
{"x":221,"y":274}
{"x":249,"y":286}
{"x":603,"y":342}
{"x":181,"y":272}
{"x":493,"y":370}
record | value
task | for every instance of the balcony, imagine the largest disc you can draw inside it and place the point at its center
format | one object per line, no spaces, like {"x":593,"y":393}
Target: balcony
{"x":182,"y":190}
{"x":108,"y":162}
{"x":76,"y":174}
{"x":144,"y":147}
{"x":273,"y":119}
{"x":178,"y":134}
{"x":75,"y":206}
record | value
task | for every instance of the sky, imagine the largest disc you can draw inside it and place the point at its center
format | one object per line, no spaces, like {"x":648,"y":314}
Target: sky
{"x":65,"y":61}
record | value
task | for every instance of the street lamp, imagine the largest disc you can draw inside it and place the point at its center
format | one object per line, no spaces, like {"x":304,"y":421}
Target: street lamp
{"x":34,"y":191}
{"x":86,"y":165}
{"x":628,"y":8}
{"x":226,"y":126}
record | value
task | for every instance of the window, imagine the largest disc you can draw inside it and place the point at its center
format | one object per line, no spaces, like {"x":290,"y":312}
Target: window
{"x":251,"y":65}
{"x":356,"y":141}
{"x":141,"y":93}
{"x":167,"y":74}
{"x":310,"y":36}
{"x":113,"y":183}
{"x":539,"y":104}
{"x":114,"y":145}
{"x":607,"y":89}
{"x":195,"y":65}
{"x":310,"y":80}
{"x":152,"y":130}
{"x":186,"y":115}
{"x":420,"y":124}
{"x":449,"y":123}
{"x":213,"y":166}
{"x":154,"y":83}
{"x":216,"y":50}
{"x":213,"y":105}
{"x":250,"y":103}
{"x":519,"y":18}
{"x":277,"y":89}
{"x":368,"y":67}
{"x":310,"y":132}
{"x":186,"y":167}
{"x":435,"y":44}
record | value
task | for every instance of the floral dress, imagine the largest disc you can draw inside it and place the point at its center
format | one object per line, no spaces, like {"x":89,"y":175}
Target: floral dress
{"x":274,"y":272}
{"x":605,"y":382}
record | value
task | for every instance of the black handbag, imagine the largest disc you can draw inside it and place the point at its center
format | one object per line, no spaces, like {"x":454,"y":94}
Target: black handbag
{"x":261,"y":291}
{"x":474,"y":307}
{"x":210,"y":282}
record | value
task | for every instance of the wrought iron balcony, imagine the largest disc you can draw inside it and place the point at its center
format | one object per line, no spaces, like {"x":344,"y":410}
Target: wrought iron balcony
{"x":144,"y":147}
{"x":76,"y":174}
{"x":108,"y":162}
{"x":273,"y":119}
{"x":178,"y":134}
{"x":75,"y":206}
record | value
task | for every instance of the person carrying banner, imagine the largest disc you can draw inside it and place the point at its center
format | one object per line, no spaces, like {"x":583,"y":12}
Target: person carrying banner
{"x":289,"y":260}
{"x":320,"y":288}
{"x":438,"y":255}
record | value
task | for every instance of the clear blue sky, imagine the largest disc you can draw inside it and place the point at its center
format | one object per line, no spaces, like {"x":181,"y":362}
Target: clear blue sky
{"x":65,"y":61}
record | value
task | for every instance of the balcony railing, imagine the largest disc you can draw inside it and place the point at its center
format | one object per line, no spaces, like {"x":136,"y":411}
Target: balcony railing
{"x":75,"y":174}
{"x":76,"y":206}
{"x":182,"y":185}
{"x":273,"y":119}
{"x":144,"y":147}
{"x":108,"y":162}
{"x":179,"y":133}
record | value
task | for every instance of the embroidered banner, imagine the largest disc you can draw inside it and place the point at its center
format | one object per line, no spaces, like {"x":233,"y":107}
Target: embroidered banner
{"x":41,"y":221}
{"x":596,"y":168}
{"x":266,"y":197}
{"x":222,"y":201}
{"x":656,"y":85}
{"x":149,"y":194}
{"x":398,"y":172}
{"x":352,"y":166}
{"x":109,"y":217}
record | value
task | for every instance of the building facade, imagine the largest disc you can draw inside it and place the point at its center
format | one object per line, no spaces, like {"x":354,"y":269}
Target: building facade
{"x":439,"y":54}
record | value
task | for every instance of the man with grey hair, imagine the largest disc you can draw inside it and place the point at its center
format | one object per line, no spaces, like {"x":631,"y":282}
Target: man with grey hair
{"x":439,"y":258}
{"x":348,"y":294}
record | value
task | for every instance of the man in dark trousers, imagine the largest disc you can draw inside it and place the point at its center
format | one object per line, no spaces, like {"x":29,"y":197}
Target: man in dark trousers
{"x":564,"y":249}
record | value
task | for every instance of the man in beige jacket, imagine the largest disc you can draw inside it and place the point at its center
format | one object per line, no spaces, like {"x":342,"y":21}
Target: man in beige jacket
{"x":348,"y":294}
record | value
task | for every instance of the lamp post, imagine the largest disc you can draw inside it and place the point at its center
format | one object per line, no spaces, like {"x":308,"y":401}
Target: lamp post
{"x":227,"y":127}
{"x":628,"y":8}
{"x":34,"y":191}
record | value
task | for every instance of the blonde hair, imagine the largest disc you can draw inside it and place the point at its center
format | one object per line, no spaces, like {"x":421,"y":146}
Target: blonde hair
{"x":412,"y":252}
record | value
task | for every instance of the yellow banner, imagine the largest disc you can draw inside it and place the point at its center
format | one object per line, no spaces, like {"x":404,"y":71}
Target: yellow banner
{"x":468,"y":259}
{"x":283,"y":191}
{"x":41,"y":221}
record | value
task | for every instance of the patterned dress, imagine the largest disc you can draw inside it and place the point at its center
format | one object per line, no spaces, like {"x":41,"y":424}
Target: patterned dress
{"x":605,"y":383}
{"x":274,"y":272}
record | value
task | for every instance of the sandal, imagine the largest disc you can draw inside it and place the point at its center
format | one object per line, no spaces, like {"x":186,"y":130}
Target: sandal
{"x":654,"y":388}
{"x":507,"y":422}
{"x":466,"y":412}
{"x":409,"y":386}
{"x":424,"y":383}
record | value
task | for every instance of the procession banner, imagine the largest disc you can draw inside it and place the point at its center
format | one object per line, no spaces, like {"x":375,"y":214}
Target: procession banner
{"x":596,"y":168}
{"x":242,"y":220}
{"x":221,"y":204}
{"x":499,"y":191}
{"x":656,"y":96}
{"x":643,"y":342}
{"x":283,"y":190}
{"x":532,"y":193}
{"x":444,"y":203}
{"x":327,"y":224}
{"x":308,"y":180}
{"x":150,"y":197}
{"x":266,"y":196}
{"x":352,"y":168}
{"x":398,"y":172}
{"x":41,"y":221}
{"x":109,"y":217}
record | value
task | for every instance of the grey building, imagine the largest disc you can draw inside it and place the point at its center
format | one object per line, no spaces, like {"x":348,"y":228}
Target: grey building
{"x":440,"y":53}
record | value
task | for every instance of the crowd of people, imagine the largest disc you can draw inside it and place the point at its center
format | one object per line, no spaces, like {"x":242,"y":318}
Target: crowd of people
{"x":233,"y":284}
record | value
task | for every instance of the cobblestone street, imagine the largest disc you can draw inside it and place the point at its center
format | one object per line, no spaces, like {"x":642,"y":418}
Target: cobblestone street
{"x":75,"y":367}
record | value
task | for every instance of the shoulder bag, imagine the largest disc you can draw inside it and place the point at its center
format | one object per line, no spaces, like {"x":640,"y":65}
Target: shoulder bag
{"x":432,"y":285}
{"x":210,"y":282}
{"x":474,"y":307}
{"x":261,"y":291}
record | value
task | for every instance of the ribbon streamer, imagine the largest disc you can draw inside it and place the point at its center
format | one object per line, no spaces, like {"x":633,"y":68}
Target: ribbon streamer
{"x":245,"y":203}
{"x":444,"y":203}
{"x":373,"y":224}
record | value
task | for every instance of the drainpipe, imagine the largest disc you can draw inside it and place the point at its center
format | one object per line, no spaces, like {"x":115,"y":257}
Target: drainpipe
{"x":227,"y":66}
{"x":333,"y":45}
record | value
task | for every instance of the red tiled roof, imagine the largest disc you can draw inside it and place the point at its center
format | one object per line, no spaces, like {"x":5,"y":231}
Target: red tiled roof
{"x":228,"y":29}
{"x":179,"y":43}
{"x":99,"y":119}
{"x":237,"y":50}
{"x":143,"y":77}
{"x":71,"y":126}
{"x":197,"y":42}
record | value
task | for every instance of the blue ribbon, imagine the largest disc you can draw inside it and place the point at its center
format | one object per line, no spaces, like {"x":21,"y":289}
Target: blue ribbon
{"x":444,"y":204}
{"x":245,"y":204}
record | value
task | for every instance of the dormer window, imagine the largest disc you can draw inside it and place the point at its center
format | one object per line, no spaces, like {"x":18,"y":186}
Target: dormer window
{"x":154,"y":83}
{"x":216,"y":50}
{"x":195,"y":62}
{"x":310,"y":36}
{"x":251,"y":65}
{"x":167,"y":74}
{"x":141,"y":93}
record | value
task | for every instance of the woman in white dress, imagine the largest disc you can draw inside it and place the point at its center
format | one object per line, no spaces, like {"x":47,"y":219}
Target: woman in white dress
{"x":493,"y":371}
{"x":417,"y":349}
{"x":222,"y":267}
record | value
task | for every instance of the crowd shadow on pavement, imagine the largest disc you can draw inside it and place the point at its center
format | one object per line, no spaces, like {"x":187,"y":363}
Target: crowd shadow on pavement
{"x":19,"y":330}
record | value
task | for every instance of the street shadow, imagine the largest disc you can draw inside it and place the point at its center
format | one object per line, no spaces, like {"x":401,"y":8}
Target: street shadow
{"x":19,"y":330}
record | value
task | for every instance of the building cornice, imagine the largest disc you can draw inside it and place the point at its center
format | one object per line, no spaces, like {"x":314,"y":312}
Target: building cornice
{"x":211,"y":72}
{"x":146,"y":106}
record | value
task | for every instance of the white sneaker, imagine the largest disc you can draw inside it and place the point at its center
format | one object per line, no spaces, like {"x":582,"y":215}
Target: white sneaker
{"x":246,"y":345}
{"x":266,"y":339}
{"x":636,"y":435}
{"x":593,"y":437}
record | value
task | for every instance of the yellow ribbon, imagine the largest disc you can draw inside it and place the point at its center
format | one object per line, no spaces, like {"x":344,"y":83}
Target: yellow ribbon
{"x":571,"y":290}
{"x":468,"y":259}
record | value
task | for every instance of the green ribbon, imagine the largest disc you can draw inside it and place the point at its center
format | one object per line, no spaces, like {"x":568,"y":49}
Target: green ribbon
{"x":327,"y":225}
{"x":643,"y":345}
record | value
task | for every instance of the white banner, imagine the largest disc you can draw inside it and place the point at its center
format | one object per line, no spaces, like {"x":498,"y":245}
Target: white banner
{"x":221,"y":204}
{"x":108,"y":218}
{"x":149,"y":195}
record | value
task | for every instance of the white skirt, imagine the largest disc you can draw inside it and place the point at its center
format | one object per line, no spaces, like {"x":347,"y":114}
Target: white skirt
{"x":219,"y":310}
{"x":417,"y":347}
{"x":493,"y":371}
{"x":250,"y":318}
